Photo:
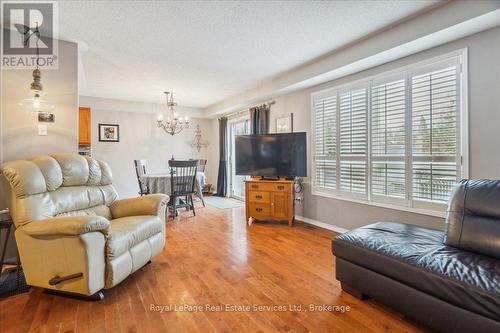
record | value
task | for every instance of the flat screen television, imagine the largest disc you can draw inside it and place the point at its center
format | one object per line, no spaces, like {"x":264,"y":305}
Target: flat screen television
{"x":271,"y":155}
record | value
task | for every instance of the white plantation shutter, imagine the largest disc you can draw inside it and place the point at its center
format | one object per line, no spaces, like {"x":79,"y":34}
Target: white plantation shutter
{"x":353,"y":176}
{"x":388,"y":139}
{"x":325,"y":143}
{"x":394,"y":139}
{"x":353,"y":140}
{"x":388,"y":179}
{"x":434,"y":134}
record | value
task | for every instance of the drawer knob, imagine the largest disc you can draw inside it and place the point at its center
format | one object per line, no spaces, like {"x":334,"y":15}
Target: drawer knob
{"x":258,"y":197}
{"x":258,"y":209}
{"x":281,"y":187}
{"x":255,"y":186}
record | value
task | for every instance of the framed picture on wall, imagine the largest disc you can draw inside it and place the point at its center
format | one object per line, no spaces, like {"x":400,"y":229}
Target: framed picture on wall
{"x":284,"y":124}
{"x":109,"y":133}
{"x":46,"y":117}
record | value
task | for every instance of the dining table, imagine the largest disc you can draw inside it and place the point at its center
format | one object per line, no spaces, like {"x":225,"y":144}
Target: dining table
{"x":160,"y":182}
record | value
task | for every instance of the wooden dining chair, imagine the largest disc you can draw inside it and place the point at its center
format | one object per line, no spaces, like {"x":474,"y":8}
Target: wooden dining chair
{"x":140,"y":169}
{"x":182,"y":184}
{"x":201,"y":165}
{"x":201,"y":168}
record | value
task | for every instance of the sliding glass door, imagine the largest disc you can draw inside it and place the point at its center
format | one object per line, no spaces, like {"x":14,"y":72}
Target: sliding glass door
{"x":236,"y":127}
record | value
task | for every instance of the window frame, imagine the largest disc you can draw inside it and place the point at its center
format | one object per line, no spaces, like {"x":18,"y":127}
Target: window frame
{"x":407,"y":72}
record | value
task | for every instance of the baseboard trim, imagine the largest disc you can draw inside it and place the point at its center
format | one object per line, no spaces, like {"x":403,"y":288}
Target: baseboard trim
{"x":321,"y":224}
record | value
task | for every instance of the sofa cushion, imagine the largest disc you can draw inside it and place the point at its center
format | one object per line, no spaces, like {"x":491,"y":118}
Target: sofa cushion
{"x":126,"y":232}
{"x":51,"y":171}
{"x":417,"y":257}
{"x":473,"y":219}
{"x":75,"y":169}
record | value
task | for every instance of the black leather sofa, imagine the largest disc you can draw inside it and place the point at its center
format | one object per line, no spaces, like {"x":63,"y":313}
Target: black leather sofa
{"x":448,"y":281}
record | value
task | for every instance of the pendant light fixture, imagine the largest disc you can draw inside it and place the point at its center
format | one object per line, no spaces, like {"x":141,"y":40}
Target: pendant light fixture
{"x":34,"y":103}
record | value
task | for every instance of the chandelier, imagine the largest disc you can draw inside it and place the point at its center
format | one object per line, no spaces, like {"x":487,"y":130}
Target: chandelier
{"x":174,"y":124}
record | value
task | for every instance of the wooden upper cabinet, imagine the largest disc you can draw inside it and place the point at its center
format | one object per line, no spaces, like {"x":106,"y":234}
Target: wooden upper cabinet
{"x":84,"y":125}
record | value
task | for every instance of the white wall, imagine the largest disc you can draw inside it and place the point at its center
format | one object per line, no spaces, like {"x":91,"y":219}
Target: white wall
{"x":19,"y":136}
{"x":484,"y":122}
{"x":140,"y":138}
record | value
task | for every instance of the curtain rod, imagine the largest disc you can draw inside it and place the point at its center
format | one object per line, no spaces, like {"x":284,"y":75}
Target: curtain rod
{"x":232,"y":114}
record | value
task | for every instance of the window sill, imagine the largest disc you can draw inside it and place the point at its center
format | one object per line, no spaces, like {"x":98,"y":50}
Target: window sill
{"x":421,"y":211}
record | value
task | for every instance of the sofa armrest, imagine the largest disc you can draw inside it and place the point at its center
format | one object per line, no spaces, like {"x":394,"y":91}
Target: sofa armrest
{"x":67,"y":226}
{"x":152,"y":204}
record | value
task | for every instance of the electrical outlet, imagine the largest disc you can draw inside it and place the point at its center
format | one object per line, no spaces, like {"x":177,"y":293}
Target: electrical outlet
{"x":42,"y":130}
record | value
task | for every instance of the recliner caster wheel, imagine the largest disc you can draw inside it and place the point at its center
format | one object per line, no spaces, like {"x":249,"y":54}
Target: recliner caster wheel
{"x":98,"y":296}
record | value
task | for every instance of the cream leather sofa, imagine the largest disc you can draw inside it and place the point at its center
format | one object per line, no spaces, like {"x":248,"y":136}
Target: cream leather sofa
{"x":72,"y":233}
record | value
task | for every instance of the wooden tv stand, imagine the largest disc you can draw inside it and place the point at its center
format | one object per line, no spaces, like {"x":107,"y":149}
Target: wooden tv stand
{"x":269,"y":200}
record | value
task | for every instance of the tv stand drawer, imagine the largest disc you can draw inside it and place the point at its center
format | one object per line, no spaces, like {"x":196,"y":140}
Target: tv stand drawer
{"x":269,"y":186}
{"x":259,"y":210}
{"x":254,"y":196}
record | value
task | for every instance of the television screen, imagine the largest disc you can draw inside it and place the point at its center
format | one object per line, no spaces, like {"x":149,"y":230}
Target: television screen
{"x":282,"y":155}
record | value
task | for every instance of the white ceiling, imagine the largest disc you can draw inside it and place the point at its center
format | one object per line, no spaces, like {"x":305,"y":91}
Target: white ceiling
{"x":210,"y":50}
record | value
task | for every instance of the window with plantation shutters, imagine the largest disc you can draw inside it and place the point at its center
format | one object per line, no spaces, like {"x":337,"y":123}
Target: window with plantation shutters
{"x":394,"y":139}
{"x":325,"y":143}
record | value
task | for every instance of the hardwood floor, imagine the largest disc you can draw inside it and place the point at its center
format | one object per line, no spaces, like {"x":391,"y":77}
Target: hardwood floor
{"x":214,"y":258}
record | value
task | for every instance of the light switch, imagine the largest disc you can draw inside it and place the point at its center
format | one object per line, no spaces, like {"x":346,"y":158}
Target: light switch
{"x":42,"y":129}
